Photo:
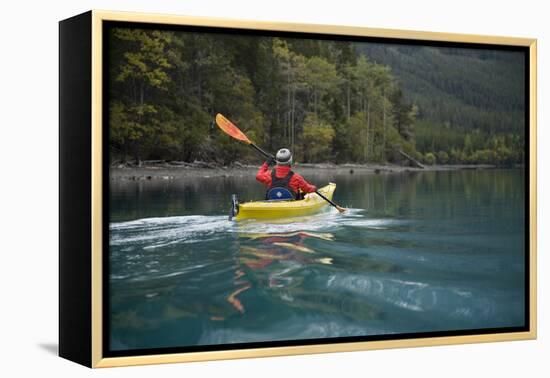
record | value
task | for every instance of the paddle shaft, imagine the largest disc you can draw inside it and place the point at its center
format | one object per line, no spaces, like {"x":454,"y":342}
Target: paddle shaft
{"x":266,"y":154}
{"x":326,"y":199}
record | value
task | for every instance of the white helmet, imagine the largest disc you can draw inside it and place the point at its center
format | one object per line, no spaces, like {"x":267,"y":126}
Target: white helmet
{"x":283,"y":157}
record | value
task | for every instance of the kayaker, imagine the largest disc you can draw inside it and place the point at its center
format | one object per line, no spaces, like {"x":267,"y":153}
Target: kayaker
{"x":282,"y":183}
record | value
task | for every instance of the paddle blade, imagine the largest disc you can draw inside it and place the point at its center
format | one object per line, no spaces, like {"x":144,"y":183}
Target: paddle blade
{"x":230,"y":129}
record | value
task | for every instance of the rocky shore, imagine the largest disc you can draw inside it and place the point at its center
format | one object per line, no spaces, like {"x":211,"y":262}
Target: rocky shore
{"x":174,"y":170}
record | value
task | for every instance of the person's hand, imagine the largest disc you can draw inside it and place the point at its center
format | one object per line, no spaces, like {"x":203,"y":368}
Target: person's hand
{"x":271,"y":161}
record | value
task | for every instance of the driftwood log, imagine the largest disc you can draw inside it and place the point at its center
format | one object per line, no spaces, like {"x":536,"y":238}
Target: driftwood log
{"x":415,"y":162}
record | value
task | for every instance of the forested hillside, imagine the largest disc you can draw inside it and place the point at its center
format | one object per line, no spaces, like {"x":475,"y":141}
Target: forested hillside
{"x":326,"y":100}
{"x":471,"y":102}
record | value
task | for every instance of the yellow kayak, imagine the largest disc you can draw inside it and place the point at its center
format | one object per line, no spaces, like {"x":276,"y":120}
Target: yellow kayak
{"x":311,"y":204}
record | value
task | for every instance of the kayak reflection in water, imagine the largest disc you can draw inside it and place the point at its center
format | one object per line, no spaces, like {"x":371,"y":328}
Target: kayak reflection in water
{"x":287,"y":247}
{"x":282,"y":183}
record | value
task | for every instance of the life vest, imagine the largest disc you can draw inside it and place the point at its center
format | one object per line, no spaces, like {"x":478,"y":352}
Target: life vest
{"x":280,"y":188}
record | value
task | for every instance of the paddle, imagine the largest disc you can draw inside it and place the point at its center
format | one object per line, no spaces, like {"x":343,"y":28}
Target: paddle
{"x":230,"y":129}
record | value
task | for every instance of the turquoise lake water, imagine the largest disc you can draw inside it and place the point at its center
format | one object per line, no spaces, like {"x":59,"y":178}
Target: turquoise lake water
{"x":416,"y":252}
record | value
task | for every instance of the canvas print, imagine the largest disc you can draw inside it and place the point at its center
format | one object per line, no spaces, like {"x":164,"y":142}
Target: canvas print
{"x":268,"y":188}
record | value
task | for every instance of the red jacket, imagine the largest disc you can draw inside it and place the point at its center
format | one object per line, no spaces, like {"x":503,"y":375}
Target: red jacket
{"x":296,"y":183}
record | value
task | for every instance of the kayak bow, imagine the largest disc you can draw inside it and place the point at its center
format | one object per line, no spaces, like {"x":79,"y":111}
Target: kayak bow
{"x":311,"y":204}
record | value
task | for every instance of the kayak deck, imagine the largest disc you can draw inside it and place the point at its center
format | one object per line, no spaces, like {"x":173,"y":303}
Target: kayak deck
{"x":311,"y":204}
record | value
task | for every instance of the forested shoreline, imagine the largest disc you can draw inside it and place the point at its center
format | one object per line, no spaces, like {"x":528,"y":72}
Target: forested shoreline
{"x":326,"y":100}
